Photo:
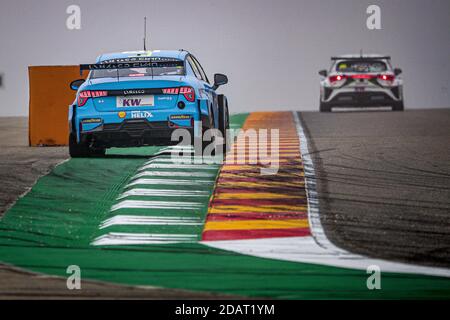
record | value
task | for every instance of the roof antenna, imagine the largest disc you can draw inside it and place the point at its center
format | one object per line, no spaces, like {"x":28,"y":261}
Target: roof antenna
{"x":145,"y":33}
{"x":360,"y":53}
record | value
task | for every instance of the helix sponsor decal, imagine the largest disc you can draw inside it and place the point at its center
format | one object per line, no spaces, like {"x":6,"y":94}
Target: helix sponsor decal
{"x":141,"y":114}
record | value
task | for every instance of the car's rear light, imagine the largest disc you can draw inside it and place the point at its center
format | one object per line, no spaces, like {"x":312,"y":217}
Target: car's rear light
{"x":386,"y":79}
{"x":170,"y":90}
{"x":336,"y":78}
{"x":83,"y":96}
{"x":188,"y":93}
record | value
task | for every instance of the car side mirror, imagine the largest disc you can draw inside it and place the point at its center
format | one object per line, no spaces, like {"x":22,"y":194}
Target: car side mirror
{"x":397,"y":71}
{"x":323,"y":73}
{"x":219,"y":80}
{"x":74,"y":85}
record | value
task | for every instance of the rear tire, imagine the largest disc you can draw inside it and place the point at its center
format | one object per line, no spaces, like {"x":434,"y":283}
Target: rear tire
{"x":98,"y":152}
{"x":324,"y":107}
{"x":398,"y":106}
{"x":82,"y":150}
{"x":77,"y":150}
{"x":224,"y":120}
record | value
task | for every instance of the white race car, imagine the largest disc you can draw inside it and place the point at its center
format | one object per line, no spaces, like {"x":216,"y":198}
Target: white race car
{"x":361,"y":81}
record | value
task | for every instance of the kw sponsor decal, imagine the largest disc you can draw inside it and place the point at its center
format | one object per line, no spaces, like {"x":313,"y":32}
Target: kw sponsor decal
{"x":130,"y":102}
{"x":141,"y":114}
{"x":135,"y":101}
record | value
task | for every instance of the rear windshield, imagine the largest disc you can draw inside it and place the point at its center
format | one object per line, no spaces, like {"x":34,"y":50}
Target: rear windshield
{"x":361,"y":66}
{"x":138,"y":72}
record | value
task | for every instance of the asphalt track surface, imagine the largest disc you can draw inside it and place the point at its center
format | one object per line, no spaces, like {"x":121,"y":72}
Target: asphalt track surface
{"x":20,"y":165}
{"x":383,"y":180}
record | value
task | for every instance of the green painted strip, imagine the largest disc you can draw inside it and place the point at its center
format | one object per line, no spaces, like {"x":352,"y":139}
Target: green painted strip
{"x":196,"y":267}
{"x":54,"y":224}
{"x":237,"y":120}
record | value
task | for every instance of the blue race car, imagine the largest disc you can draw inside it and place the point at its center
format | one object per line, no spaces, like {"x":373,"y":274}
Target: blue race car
{"x":139,"y":98}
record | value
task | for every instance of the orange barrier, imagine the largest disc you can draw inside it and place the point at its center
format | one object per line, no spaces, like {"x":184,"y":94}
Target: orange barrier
{"x":50,"y":97}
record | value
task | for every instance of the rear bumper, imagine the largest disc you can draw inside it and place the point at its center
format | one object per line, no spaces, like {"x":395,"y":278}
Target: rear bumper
{"x":133,"y":133}
{"x":362,"y":99}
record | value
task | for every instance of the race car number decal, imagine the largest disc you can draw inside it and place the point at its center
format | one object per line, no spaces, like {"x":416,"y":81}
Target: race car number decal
{"x":135,"y":101}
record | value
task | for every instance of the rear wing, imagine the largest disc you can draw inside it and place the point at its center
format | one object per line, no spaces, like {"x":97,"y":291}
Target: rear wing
{"x":362,"y":58}
{"x":127,"y":63}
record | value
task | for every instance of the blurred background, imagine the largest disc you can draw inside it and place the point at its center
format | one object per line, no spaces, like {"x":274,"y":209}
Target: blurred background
{"x":271,"y":50}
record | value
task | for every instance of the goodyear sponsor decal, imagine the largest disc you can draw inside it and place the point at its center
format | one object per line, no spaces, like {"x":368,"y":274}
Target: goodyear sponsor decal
{"x":180,"y":117}
{"x":91,"y":120}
